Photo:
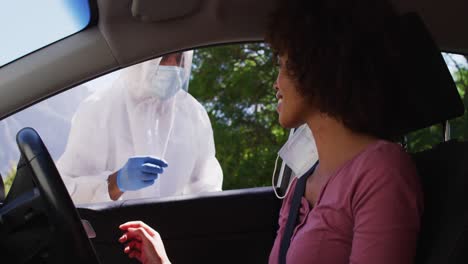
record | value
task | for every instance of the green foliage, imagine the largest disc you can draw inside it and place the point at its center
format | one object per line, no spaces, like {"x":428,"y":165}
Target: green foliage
{"x":235,"y":84}
{"x":460,"y":125}
{"x":9,"y":179}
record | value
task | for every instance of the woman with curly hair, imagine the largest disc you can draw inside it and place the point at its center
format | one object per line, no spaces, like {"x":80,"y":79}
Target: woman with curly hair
{"x":338,"y":73}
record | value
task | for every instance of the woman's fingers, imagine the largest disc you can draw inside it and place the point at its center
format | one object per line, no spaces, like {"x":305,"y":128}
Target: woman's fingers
{"x":134,"y":224}
{"x":142,"y":242}
{"x":140,"y":234}
{"x":132,"y":234}
{"x":136,"y":234}
{"x":123,"y":238}
{"x":134,"y":237}
{"x":138,"y":224}
{"x":133,"y":245}
{"x":135,"y":254}
{"x":133,"y":250}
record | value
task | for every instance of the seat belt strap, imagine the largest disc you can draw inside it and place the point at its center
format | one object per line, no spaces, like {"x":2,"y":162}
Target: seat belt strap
{"x":293,"y":214}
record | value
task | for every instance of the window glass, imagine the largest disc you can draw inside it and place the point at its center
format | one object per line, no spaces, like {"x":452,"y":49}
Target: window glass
{"x":35,"y":24}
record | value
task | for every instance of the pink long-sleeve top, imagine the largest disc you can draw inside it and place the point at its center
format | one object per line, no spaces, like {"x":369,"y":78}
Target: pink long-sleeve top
{"x":368,"y":212}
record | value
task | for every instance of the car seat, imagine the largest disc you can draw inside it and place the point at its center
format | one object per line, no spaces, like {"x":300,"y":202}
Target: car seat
{"x":432,"y":98}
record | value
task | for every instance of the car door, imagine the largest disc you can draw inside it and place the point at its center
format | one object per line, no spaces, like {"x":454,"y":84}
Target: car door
{"x":229,"y":227}
{"x":235,"y":225}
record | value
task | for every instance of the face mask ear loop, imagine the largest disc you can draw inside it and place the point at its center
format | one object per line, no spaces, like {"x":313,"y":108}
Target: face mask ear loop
{"x":273,"y":182}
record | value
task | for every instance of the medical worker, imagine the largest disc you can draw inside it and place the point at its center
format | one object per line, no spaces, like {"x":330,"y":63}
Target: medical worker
{"x":144,"y":136}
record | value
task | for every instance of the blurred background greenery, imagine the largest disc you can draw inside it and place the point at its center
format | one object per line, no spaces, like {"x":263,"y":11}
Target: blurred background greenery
{"x":235,"y":84}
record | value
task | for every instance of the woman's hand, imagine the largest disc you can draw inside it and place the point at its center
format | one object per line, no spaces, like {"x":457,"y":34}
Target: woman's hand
{"x":143,"y":243}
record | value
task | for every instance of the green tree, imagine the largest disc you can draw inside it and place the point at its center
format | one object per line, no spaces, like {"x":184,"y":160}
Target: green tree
{"x":235,"y":84}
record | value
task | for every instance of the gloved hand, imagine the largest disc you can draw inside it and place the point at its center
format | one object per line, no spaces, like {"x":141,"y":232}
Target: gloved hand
{"x":139,"y":172}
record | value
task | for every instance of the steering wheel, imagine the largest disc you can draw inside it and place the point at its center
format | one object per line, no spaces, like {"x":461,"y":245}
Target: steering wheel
{"x":64,"y":218}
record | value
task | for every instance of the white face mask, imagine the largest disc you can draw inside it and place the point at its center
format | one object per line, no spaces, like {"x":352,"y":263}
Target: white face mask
{"x":167,"y":81}
{"x":299,"y":152}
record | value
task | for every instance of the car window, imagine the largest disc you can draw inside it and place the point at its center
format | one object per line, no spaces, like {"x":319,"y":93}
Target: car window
{"x":222,"y":134}
{"x":230,"y":100}
{"x":30,"y":25}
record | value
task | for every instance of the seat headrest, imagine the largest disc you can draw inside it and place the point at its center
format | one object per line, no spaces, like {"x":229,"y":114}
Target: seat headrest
{"x":429,"y":95}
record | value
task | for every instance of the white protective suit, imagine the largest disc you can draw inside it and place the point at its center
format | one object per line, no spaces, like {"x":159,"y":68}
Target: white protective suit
{"x":126,"y":120}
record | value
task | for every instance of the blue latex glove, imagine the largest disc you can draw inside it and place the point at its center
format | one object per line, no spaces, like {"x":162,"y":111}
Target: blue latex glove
{"x":139,"y":172}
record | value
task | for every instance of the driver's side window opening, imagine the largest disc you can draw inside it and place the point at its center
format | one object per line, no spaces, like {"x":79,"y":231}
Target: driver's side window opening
{"x":233,"y":84}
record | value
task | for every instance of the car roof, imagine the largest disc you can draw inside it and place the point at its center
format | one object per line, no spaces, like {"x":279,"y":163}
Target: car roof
{"x":128,"y":32}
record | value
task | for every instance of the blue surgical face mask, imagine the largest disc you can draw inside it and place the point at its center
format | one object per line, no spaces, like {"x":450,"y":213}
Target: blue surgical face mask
{"x":167,"y":81}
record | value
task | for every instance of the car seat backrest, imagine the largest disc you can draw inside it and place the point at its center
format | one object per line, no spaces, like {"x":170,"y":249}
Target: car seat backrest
{"x":444,"y":177}
{"x":432,"y":98}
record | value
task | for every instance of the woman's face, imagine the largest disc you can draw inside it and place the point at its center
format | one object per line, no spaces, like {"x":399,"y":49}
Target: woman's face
{"x":292,"y":106}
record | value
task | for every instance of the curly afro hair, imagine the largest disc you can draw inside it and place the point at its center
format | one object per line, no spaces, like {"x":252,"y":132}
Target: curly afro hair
{"x":343,"y":56}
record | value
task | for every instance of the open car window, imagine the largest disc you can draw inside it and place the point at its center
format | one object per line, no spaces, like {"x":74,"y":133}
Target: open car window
{"x":219,"y":133}
{"x":227,"y":110}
